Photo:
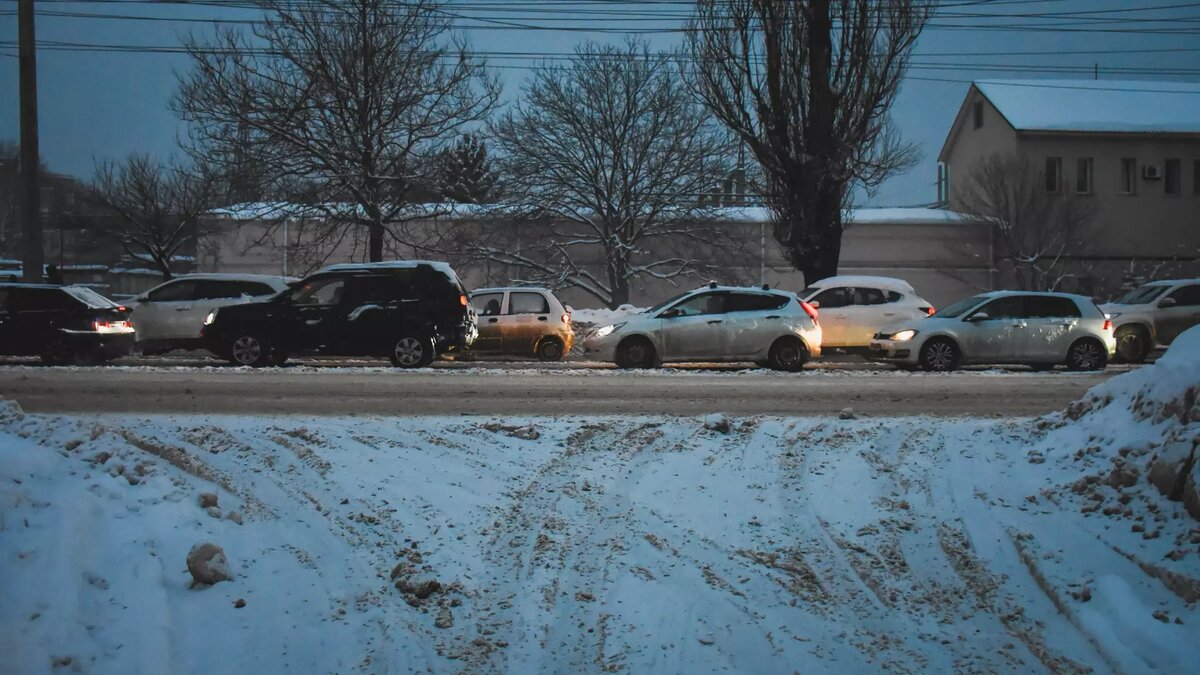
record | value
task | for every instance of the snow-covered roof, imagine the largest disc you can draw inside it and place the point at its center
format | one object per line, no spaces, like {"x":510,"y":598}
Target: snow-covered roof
{"x":285,"y":210}
{"x":853,"y":280}
{"x":1114,"y":106}
{"x":502,"y":289}
{"x":902,"y":215}
{"x":146,"y":257}
{"x":275,"y":279}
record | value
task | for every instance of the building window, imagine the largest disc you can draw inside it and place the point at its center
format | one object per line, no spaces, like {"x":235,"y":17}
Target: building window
{"x":1172,"y":180}
{"x":943,"y":183}
{"x":977,"y":113}
{"x":1083,"y":176}
{"x":1129,"y":176}
{"x":1054,"y":174}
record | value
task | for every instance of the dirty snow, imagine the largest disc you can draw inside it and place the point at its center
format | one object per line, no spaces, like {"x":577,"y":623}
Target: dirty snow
{"x":648,"y":544}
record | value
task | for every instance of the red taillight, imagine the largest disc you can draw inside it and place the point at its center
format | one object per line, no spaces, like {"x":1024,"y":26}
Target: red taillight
{"x":1108,"y":325}
{"x":112,"y":327}
{"x":930,"y":311}
{"x":462,"y":299}
{"x":566,"y":318}
{"x":809,"y":310}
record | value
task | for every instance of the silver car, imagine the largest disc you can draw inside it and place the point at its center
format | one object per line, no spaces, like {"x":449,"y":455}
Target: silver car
{"x":1153,"y":315}
{"x":170,"y":315}
{"x":714,"y":323}
{"x":854,"y":308}
{"x":1038,"y":329}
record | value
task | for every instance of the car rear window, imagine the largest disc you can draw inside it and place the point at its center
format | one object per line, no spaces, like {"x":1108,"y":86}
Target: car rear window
{"x":528,"y":303}
{"x":89,"y":297}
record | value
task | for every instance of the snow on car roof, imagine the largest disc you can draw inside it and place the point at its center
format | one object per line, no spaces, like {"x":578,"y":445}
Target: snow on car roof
{"x":888,"y":283}
{"x":230,"y":276}
{"x":502,"y":289}
{"x":438,"y":265}
{"x":1096,"y":105}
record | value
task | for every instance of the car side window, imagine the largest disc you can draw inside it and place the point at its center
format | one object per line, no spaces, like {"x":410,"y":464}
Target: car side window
{"x":1011,"y":307}
{"x":754,"y":302}
{"x":178,"y":291}
{"x":212,"y":289}
{"x":705,"y":303}
{"x":321,"y":292}
{"x":833,"y":297}
{"x":1186,"y":296}
{"x":527,"y":303}
{"x":893,"y":296}
{"x":868,"y":296}
{"x":371,"y":289}
{"x":1044,"y":307}
{"x":488,"y":304}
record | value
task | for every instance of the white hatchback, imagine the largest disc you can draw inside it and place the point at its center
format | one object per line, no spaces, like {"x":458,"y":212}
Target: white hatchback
{"x":171,"y":315}
{"x":1038,"y":329}
{"x":714,"y":323}
{"x":855,"y":308}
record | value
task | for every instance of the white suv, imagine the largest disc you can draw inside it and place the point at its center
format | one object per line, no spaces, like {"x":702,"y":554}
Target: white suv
{"x":855,"y":308}
{"x":1153,"y":315}
{"x":714,"y":323}
{"x":171,"y":315}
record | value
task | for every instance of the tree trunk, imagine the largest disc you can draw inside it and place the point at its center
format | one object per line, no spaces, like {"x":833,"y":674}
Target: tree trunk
{"x":376,"y":245}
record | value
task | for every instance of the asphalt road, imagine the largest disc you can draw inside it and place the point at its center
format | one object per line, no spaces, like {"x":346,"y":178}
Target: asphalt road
{"x":511,"y":390}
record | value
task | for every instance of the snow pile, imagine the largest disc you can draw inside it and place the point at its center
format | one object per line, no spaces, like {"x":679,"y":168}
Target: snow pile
{"x":604,"y":316}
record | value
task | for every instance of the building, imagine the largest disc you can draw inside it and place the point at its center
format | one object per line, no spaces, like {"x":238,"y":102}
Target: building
{"x":1129,"y":148}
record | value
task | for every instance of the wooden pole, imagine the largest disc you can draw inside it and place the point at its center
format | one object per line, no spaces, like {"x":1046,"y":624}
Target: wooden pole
{"x":31,"y":207}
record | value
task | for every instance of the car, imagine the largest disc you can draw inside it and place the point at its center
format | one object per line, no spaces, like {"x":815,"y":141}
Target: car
{"x":1153,"y":315}
{"x":62,"y":324}
{"x":522,"y":321}
{"x":170,"y":315}
{"x":408,"y":310}
{"x":1037,"y":329}
{"x":714,"y":323}
{"x":855,"y":308}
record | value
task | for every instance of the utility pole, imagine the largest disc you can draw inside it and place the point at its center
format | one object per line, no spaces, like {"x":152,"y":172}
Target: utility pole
{"x":31,"y":207}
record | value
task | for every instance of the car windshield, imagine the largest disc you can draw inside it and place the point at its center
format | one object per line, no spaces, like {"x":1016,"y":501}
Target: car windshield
{"x":957,"y":309}
{"x":810,"y":291}
{"x":89,"y":297}
{"x":1142,"y":295}
{"x":666,"y":303}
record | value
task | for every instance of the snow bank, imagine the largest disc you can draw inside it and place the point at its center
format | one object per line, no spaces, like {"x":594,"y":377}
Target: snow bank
{"x":604,"y":316}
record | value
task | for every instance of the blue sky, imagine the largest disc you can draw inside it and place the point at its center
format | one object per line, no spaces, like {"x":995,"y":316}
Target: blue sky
{"x":102,"y":105}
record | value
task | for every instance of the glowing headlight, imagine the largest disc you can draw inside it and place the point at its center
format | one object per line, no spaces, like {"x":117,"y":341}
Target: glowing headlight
{"x":608,"y":330}
{"x":212,"y":316}
{"x":1112,"y":315}
{"x":903,"y":335}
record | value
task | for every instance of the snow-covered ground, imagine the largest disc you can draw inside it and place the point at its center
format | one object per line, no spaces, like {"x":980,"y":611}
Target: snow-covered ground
{"x":754,"y":544}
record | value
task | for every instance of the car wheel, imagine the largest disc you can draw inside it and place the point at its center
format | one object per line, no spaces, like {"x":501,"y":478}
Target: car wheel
{"x":58,"y":353}
{"x":788,"y":354}
{"x":636,"y":352}
{"x":550,"y":349}
{"x":249,"y":350}
{"x":1087,"y":354}
{"x":1133,"y":344}
{"x":412,"y":351}
{"x":940,"y":355}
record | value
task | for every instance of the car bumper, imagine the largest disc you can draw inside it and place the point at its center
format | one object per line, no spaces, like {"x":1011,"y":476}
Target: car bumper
{"x":457,"y":339}
{"x":599,"y":349}
{"x":109,"y":346}
{"x":892,"y":351}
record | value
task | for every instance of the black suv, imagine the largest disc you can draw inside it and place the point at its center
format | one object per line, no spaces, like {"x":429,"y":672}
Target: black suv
{"x":62,"y":324}
{"x":408,"y":310}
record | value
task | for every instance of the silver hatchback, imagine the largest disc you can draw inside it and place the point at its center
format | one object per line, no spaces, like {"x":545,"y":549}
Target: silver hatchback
{"x":1038,"y":329}
{"x":714,"y":323}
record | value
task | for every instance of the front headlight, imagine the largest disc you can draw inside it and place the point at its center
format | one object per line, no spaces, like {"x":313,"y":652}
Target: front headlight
{"x":1112,"y":315}
{"x":904,"y":335}
{"x":608,"y":330}
{"x":212,"y":316}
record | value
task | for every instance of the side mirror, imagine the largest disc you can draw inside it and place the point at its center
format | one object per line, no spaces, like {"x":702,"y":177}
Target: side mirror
{"x":1166,"y":303}
{"x":978,"y":316}
{"x":815,"y":304}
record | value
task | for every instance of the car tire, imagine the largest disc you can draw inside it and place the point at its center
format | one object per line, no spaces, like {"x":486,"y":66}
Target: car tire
{"x":636,"y":352}
{"x":940,"y":355}
{"x":788,"y":354}
{"x":1133,"y":344}
{"x":550,"y":349}
{"x":411,"y":350}
{"x":249,"y":350}
{"x":1087,"y":354}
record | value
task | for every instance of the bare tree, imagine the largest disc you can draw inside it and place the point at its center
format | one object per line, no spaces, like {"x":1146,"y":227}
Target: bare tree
{"x":152,"y":210}
{"x":1037,"y":230}
{"x":607,"y":159}
{"x":807,"y":86}
{"x":348,"y":100}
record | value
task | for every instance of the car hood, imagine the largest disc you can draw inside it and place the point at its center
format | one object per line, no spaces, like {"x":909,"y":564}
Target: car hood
{"x":1113,"y":308}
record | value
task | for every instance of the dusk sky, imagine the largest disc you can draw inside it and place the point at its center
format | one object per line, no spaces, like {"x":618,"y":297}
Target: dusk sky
{"x":107,"y":70}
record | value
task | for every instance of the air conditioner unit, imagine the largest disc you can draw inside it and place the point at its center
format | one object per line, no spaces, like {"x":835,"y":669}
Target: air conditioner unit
{"x":1151,"y":172}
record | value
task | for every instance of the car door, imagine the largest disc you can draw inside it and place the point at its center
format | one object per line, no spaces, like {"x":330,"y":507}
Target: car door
{"x":489,"y":309}
{"x":528,"y":314}
{"x":833,"y":304}
{"x":207,"y":295}
{"x":1050,"y":328}
{"x":995,"y":333}
{"x":695,"y":328}
{"x":866,"y":314}
{"x":309,"y":320}
{"x":752,"y":322}
{"x":359,"y":323}
{"x":154,"y":317}
{"x":1182,"y":313}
